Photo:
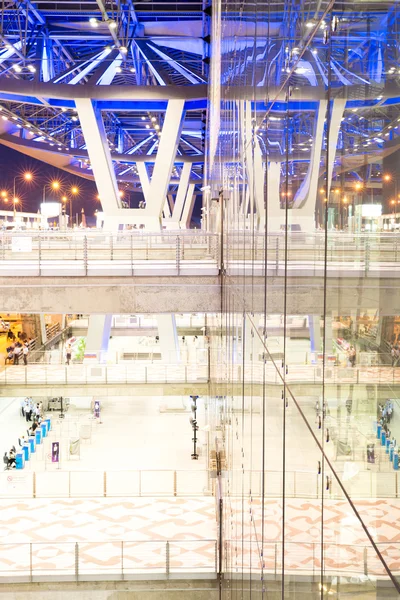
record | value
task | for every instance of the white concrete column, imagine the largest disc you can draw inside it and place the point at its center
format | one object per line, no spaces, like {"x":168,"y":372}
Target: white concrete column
{"x":328,"y":334}
{"x":276,"y":216}
{"x":188,"y":208}
{"x":98,"y":337}
{"x":169,"y":344}
{"x":252,"y":343}
{"x":99,"y":153}
{"x":254,"y":163}
{"x":164,"y":163}
{"x":182,"y":192}
{"x":314,"y":325}
{"x":43,"y":332}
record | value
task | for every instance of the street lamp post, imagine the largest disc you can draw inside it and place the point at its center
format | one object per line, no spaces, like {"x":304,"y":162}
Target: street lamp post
{"x":343,"y":213}
{"x":15,"y":202}
{"x":28,"y":177}
{"x":55,"y":185}
{"x":74,"y":192}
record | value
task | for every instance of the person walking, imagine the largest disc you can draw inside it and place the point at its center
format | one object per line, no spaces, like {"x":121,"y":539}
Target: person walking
{"x":352,"y":356}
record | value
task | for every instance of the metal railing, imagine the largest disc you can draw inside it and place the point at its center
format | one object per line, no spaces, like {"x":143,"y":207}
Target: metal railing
{"x":304,"y":558}
{"x":131,"y":253}
{"x":307,"y":484}
{"x":310,"y":374}
{"x":94,"y":374}
{"x":97,"y":253}
{"x":135,"y":372}
{"x":373,"y":255}
{"x":108,"y":560}
{"x":103,"y":484}
{"x":180,"y":559}
{"x":57,"y":483}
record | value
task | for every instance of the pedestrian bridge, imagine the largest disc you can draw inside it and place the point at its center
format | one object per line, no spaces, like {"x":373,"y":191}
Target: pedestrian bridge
{"x":185,"y":379}
{"x":136,"y":273}
{"x":95,"y":253}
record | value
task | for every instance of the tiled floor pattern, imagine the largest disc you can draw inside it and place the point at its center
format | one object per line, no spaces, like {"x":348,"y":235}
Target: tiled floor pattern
{"x":346,"y":546}
{"x":53,"y":534}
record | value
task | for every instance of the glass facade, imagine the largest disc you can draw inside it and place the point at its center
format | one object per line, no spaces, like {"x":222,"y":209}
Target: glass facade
{"x":302,"y":184}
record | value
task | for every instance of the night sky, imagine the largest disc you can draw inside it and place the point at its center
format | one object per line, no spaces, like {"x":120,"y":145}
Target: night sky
{"x":30,"y":193}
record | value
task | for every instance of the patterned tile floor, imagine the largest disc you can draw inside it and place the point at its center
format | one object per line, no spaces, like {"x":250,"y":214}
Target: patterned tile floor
{"x":50,"y":529}
{"x":45,"y":533}
{"x":346,"y":546}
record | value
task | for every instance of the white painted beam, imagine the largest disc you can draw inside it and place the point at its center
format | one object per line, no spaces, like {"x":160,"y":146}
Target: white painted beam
{"x":166,"y":155}
{"x":182,"y":192}
{"x":168,"y":335}
{"x":99,"y":153}
{"x":98,"y":337}
{"x":188,"y":208}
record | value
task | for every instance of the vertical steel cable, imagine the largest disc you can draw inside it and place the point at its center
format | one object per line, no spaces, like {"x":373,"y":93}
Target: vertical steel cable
{"x":284,"y":365}
{"x":266,"y":199}
{"x":325,"y":289}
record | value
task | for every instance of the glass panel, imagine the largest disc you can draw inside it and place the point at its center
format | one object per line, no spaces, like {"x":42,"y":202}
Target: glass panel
{"x":301,"y":160}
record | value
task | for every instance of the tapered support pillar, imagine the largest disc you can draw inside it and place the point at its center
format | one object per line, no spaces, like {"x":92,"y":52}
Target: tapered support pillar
{"x":169,"y":343}
{"x":188,"y":208}
{"x":43,"y":332}
{"x":182,"y":193}
{"x":252,"y":342}
{"x":99,"y":154}
{"x":98,"y":337}
{"x":315,"y":333}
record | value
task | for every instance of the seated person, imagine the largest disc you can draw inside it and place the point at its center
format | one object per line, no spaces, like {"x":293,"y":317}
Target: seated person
{"x":11,"y":458}
{"x":34,"y":426}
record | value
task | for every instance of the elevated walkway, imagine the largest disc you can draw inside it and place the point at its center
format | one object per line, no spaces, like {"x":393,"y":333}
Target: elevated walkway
{"x":138,"y":273}
{"x":116,"y":379}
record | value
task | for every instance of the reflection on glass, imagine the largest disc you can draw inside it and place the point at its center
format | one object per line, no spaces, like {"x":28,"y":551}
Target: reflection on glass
{"x":303,"y":188}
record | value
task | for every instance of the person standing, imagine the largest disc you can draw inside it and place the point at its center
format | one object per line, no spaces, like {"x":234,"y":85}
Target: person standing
{"x":28,"y":411}
{"x":16,"y":352}
{"x":25,"y":352}
{"x":68,"y":353}
{"x":22,"y":406}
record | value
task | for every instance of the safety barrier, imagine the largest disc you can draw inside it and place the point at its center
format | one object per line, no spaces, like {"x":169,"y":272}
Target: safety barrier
{"x":135,"y":372}
{"x":307,"y":484}
{"x":298,"y":484}
{"x":94,"y":484}
{"x":82,"y":374}
{"x":89,"y":253}
{"x":130,"y":253}
{"x":304,"y":558}
{"x":108,"y":560}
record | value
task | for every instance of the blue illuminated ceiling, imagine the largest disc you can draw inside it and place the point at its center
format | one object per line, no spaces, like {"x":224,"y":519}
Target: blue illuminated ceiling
{"x":102,"y":46}
{"x":133,"y":56}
